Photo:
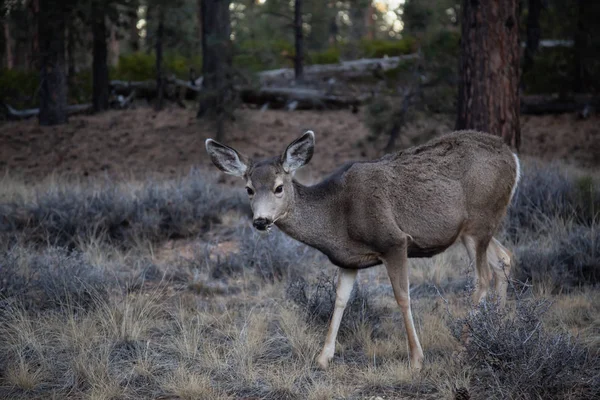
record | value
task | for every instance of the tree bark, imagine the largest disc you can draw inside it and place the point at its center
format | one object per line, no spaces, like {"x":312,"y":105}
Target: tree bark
{"x":70,"y":51}
{"x":369,"y":22}
{"x":199,"y":20}
{"x":34,"y":10}
{"x":333,"y":27}
{"x":10,"y":62}
{"x":299,"y":57}
{"x":488,"y":97}
{"x":159,"y":58}
{"x":115,"y":45}
{"x":134,"y":33}
{"x":100,"y":63}
{"x":53,"y":84}
{"x":357,"y":16}
{"x":580,"y":48}
{"x":216,"y":59}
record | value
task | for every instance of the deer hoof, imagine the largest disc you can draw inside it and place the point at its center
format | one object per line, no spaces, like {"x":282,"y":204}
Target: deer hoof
{"x":323,"y":362}
{"x":416,"y":364}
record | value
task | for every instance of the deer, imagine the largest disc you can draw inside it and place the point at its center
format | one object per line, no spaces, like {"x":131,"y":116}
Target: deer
{"x":413,"y":203}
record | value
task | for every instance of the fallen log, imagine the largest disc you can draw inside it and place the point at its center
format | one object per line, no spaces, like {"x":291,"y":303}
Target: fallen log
{"x":552,"y":104}
{"x":297,"y":98}
{"x":147,"y":89}
{"x":15,"y":114}
{"x":344,"y":69}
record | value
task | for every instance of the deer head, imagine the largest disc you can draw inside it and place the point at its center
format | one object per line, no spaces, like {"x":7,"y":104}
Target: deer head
{"x":268,"y":182}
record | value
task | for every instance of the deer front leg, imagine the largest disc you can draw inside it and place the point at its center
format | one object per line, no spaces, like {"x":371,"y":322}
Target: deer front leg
{"x":345,"y":283}
{"x":396,"y":263}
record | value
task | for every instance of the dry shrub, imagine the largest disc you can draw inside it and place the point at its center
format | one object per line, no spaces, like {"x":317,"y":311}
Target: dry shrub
{"x":272,"y":257}
{"x":565,"y":260}
{"x":513,"y":356}
{"x":54,"y":278}
{"x":317,"y":303}
{"x":66,"y":215}
{"x":546,"y":192}
{"x":553,"y":220}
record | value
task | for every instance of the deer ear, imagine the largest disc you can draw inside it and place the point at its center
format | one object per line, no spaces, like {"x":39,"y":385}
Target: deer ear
{"x":226,"y":159}
{"x":299,"y":152}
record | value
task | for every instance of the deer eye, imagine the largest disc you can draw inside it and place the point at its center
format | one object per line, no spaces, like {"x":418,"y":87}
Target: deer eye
{"x":250,"y":191}
{"x":279,"y":189}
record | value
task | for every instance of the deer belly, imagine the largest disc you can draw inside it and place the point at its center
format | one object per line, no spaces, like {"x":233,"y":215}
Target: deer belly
{"x":415,"y":251}
{"x":355,"y":261}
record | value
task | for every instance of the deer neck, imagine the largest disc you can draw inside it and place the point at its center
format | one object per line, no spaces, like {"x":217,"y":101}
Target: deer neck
{"x":310,"y":215}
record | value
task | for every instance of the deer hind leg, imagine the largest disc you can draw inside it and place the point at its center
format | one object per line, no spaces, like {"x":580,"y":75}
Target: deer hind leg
{"x":345,"y":284}
{"x":396,"y":264}
{"x":499,"y":258}
{"x":477,"y":251}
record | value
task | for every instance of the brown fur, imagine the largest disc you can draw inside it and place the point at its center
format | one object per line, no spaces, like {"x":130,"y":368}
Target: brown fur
{"x":459,"y":183}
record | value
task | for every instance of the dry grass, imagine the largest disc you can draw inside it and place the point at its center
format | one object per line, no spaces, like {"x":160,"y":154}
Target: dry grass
{"x":228,"y":313}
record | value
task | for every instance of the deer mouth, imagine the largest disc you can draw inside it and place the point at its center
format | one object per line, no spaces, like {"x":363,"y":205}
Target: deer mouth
{"x":265,"y":228}
{"x":263,"y":224}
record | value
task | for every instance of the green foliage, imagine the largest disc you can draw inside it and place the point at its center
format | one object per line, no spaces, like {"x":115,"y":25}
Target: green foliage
{"x":18,"y":88}
{"x":135,"y":67}
{"x":177,"y":64}
{"x":380,"y":48}
{"x":255,"y":55}
{"x":180,"y":26}
{"x":327,"y":56}
{"x":142,"y":66}
{"x":425,"y":16}
{"x":553,"y":71}
{"x":81,"y":87}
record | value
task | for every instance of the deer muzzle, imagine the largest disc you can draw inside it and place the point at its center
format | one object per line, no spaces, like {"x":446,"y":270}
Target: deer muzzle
{"x":262,"y":224}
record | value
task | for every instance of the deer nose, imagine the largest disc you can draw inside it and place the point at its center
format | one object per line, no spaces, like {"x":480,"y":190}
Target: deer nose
{"x":262,"y":223}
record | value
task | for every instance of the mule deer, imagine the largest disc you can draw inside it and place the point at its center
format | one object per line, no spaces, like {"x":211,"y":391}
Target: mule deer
{"x":414,"y":203}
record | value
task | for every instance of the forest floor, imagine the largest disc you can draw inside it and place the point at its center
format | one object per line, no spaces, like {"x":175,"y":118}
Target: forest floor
{"x":128,"y":271}
{"x":139,"y":142}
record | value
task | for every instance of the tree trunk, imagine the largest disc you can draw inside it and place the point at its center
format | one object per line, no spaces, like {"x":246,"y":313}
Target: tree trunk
{"x":34,"y":9}
{"x":333,"y":27}
{"x":533,"y":33}
{"x":10,"y":62}
{"x":70,"y":51}
{"x":199,"y":20}
{"x":149,"y":14}
{"x":369,"y":22}
{"x":488,"y":97}
{"x":115,"y":46}
{"x":134,"y":33}
{"x":358,"y":13}
{"x":159,"y":58}
{"x":216,"y":59}
{"x":100,"y":66}
{"x":580,"y":48}
{"x":53,"y":85}
{"x":299,"y":57}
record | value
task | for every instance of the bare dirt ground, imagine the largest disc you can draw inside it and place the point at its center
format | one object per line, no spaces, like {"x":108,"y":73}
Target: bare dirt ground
{"x":139,"y":142}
